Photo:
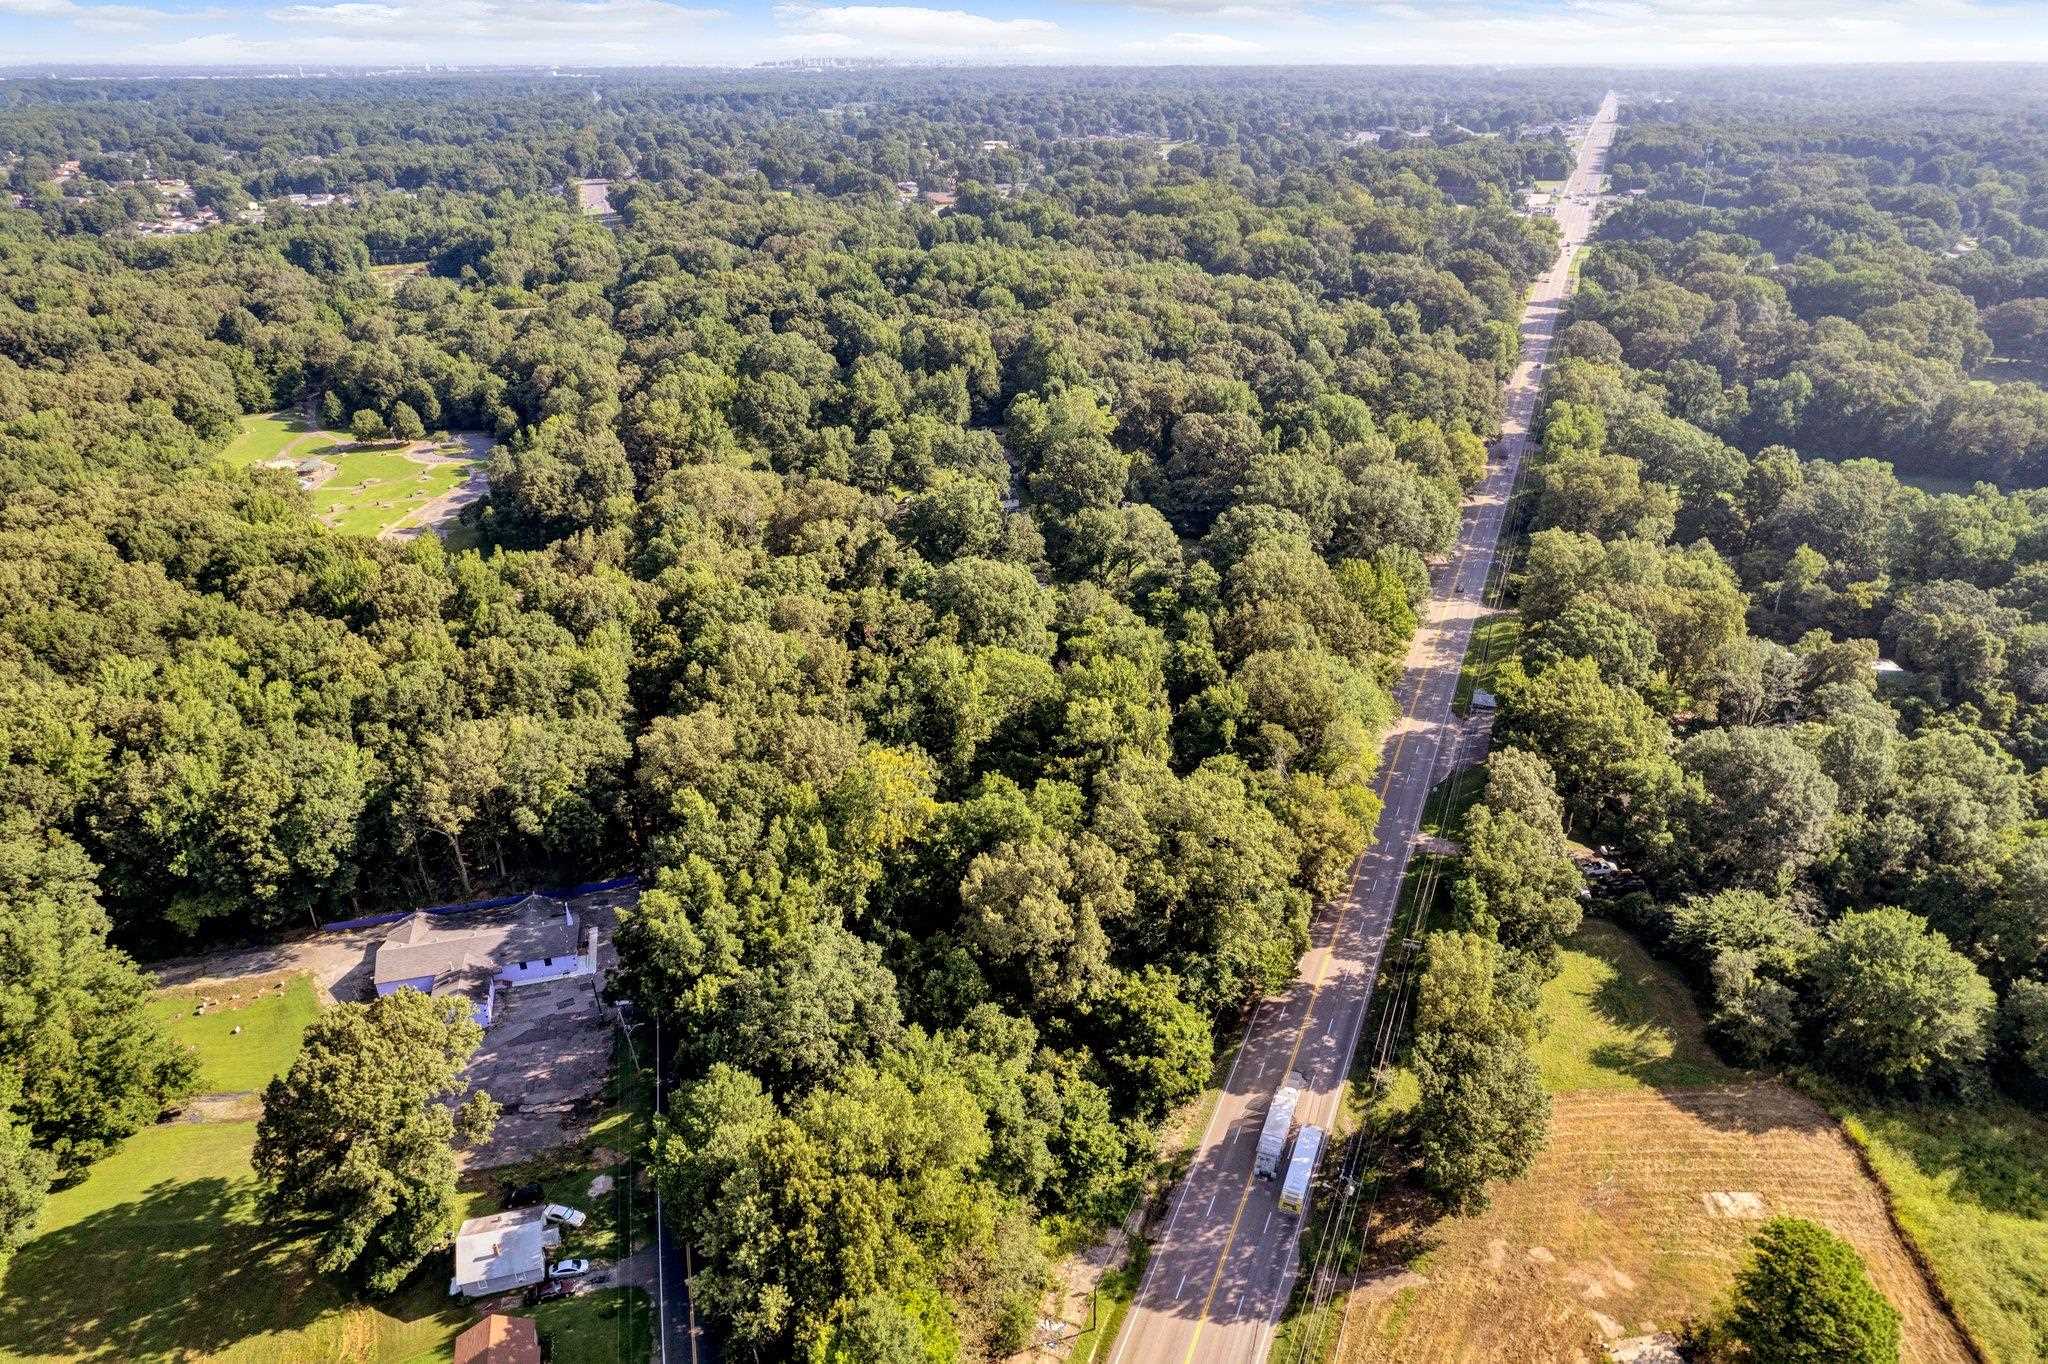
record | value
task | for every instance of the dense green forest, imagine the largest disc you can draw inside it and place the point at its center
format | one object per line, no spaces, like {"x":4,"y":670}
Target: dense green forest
{"x":1805,"y":698}
{"x":976,"y":625}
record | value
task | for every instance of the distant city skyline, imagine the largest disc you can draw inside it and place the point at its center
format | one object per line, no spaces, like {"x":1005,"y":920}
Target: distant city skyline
{"x":707,"y":32}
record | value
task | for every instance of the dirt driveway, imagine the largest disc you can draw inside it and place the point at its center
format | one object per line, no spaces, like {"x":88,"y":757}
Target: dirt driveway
{"x":338,"y":962}
{"x":545,"y":1060}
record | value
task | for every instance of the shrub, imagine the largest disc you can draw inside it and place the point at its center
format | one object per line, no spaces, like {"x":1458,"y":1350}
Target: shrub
{"x":1803,"y":1298}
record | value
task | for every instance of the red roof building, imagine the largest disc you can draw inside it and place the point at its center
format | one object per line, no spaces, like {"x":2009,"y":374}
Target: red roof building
{"x":499,"y":1339}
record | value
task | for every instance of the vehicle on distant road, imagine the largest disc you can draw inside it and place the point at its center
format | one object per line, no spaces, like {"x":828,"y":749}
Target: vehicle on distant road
{"x":1301,"y":1171}
{"x":568,"y":1269}
{"x":1279,"y":1125}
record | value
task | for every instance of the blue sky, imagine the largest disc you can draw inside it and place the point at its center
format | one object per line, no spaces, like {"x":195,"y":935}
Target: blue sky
{"x":1141,"y":31}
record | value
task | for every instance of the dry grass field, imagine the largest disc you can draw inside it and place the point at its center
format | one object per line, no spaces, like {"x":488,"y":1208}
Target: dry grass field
{"x":1660,"y":1164}
{"x":1615,"y":1233}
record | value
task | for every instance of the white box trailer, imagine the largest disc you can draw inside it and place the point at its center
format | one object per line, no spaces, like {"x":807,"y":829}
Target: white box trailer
{"x":1278,"y":1127}
{"x":1301,"y":1171}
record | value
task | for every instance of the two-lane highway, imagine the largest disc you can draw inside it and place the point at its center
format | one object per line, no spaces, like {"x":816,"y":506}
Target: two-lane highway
{"x":1225,"y":1261}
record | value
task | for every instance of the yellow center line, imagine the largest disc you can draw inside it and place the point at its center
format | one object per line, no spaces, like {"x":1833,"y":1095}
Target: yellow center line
{"x":1308,"y":1015}
{"x":1322,"y":972}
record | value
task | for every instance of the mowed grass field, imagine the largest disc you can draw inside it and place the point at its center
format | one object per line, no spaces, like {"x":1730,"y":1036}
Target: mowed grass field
{"x":272,"y":1014}
{"x":1614,"y":1232}
{"x":265,"y":437}
{"x":160,"y":1252}
{"x":1616,"y":1019}
{"x":373,"y":488}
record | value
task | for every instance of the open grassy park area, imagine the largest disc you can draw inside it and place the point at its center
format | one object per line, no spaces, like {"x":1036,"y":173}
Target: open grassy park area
{"x":272,"y":435}
{"x":361,"y":489}
{"x":378,"y":487}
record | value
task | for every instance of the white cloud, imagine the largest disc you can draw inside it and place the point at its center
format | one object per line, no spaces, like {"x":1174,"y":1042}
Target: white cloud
{"x":1193,"y":45}
{"x":379,"y":32}
{"x":529,"y":23}
{"x":912,"y":29}
{"x":1226,"y":11}
{"x":1659,"y":31}
{"x":384,"y":31}
{"x":110,"y":18}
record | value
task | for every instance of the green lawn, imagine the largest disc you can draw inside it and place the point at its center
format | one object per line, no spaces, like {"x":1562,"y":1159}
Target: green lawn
{"x":272,"y":1024}
{"x":610,"y":1326}
{"x":2000,"y":369}
{"x":372,"y":489}
{"x":1938,"y":484}
{"x":265,"y":436}
{"x":1615,"y":1019}
{"x":1969,"y":1184}
{"x":391,"y":276}
{"x":1494,"y":640}
{"x":160,"y":1254}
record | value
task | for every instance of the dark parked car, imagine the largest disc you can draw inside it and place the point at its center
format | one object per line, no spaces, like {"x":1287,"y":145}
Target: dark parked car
{"x":523,"y":1195}
{"x":549,"y":1291}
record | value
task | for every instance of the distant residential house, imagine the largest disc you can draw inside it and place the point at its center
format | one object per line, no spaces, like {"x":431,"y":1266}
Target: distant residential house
{"x":499,"y":1253}
{"x":499,"y":1339}
{"x":475,"y":955}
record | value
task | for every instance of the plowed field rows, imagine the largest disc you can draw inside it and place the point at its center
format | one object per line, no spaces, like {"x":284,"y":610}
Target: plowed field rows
{"x":1613,"y":1233}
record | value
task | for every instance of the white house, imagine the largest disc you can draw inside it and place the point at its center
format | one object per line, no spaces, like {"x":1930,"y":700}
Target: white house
{"x":477,"y":954}
{"x":501,"y":1252}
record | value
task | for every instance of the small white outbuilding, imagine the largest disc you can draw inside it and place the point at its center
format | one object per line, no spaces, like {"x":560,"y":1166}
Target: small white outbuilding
{"x":504,"y":1251}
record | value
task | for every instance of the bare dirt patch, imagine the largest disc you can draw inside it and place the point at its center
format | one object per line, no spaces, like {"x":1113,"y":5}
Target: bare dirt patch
{"x":243,"y":1106}
{"x":1632,"y":1244}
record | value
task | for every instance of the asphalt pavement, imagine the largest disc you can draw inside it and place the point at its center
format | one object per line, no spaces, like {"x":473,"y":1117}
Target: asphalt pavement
{"x":1225,"y":1261}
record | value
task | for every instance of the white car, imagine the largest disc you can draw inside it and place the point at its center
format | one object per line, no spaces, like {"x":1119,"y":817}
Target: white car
{"x":557,"y":1212}
{"x":568,"y":1269}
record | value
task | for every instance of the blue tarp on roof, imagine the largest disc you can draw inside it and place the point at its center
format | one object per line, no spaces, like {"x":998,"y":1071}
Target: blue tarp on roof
{"x":496,"y":902}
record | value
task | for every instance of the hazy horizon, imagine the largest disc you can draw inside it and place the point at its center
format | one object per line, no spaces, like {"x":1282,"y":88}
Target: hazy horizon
{"x":640,"y":33}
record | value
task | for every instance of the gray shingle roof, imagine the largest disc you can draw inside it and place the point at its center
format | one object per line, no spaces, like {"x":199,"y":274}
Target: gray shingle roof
{"x":474,"y":944}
